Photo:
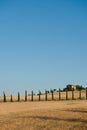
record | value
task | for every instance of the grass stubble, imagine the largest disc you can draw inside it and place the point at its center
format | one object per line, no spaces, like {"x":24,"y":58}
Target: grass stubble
{"x":44,"y":115}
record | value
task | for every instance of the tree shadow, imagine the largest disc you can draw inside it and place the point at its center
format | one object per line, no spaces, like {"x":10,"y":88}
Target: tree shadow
{"x":55,"y":119}
{"x":76,"y":110}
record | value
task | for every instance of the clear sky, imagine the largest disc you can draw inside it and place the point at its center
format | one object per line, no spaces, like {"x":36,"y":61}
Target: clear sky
{"x":43,"y":44}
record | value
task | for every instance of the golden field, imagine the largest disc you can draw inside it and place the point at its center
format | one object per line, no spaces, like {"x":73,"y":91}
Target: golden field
{"x":44,"y":115}
{"x":50,"y":115}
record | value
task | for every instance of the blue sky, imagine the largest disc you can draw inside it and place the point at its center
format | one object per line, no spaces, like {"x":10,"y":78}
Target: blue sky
{"x":43,"y":44}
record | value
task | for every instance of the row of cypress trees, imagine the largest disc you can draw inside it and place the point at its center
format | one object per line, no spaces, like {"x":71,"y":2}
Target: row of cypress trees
{"x":46,"y":96}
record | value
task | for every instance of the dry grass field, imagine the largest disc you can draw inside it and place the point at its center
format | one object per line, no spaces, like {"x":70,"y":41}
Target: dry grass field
{"x":44,"y":115}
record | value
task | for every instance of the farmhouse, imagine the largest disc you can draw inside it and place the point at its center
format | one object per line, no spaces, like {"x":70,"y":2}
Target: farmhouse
{"x":73,"y":87}
{"x":70,"y":87}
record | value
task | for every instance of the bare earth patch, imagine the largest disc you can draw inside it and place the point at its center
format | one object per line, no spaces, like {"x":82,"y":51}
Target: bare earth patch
{"x":44,"y":115}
